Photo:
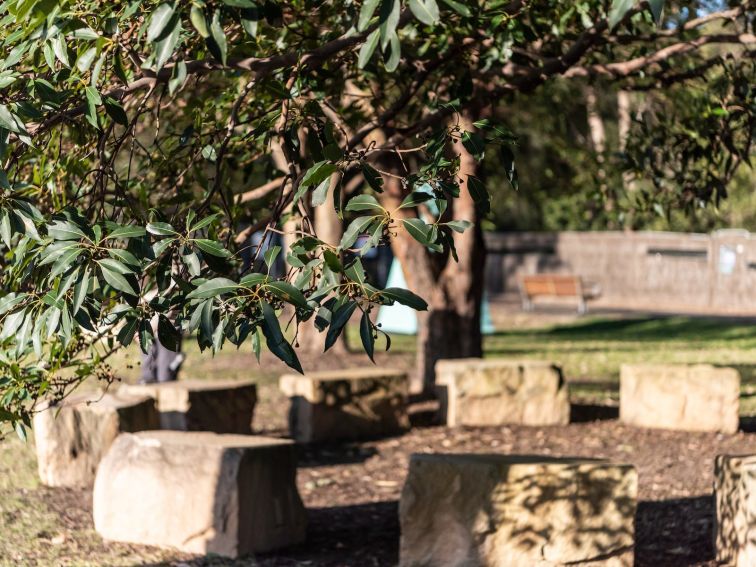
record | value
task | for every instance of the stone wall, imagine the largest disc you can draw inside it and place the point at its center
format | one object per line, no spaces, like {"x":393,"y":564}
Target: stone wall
{"x":660,"y":270}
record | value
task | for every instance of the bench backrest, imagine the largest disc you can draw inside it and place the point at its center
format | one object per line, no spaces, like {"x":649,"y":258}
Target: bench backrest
{"x":559,"y":285}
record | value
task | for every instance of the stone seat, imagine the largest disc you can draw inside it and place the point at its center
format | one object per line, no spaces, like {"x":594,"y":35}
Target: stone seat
{"x":690,"y":397}
{"x":220,"y":406}
{"x":200,"y":492}
{"x":735,"y":496}
{"x":464,"y":510}
{"x":480,"y":392}
{"x":71,"y":437}
{"x":356,"y":403}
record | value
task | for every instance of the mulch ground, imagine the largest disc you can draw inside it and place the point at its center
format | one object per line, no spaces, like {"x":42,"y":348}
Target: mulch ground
{"x":351,"y":490}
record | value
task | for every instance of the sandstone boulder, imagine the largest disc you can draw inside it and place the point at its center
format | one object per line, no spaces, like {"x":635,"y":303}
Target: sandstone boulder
{"x":357,"y":403}
{"x":695,"y":397}
{"x":73,"y":436}
{"x":516,"y":511}
{"x":220,"y":406}
{"x":735,"y":496}
{"x":476,"y":391}
{"x":200,"y":492}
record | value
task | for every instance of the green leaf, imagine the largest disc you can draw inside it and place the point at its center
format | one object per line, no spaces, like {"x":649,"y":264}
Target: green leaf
{"x":161,"y":229}
{"x":415,"y":198}
{"x":366,"y":335}
{"x":318,"y":173}
{"x":84,"y":62}
{"x":479,"y":195}
{"x":165,"y":46}
{"x":372,"y":177}
{"x":364,"y":203}
{"x":458,"y":7}
{"x":213,"y":288}
{"x":368,"y":48}
{"x":65,"y":230}
{"x":418,"y":230}
{"x":405,"y":297}
{"x":197,"y":17}
{"x":168,"y":335}
{"x":355,"y":228}
{"x":116,"y":112}
{"x":459,"y":225}
{"x":212,"y":247}
{"x":270,"y":255}
{"x":275,"y":340}
{"x":320,"y":194}
{"x":159,"y":21}
{"x":125,"y":232}
{"x":389,"y":18}
{"x":618,"y":10}
{"x":60,"y":49}
{"x":366,"y":13}
{"x":425,"y":10}
{"x":339,"y":318}
{"x":657,"y":6}
{"x":474,"y":144}
{"x":395,"y":53}
{"x":127,"y":331}
{"x":115,"y":278}
{"x":217,"y":45}
{"x":287,"y":292}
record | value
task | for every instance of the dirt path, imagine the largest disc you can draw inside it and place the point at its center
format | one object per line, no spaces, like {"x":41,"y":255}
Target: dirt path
{"x":352,"y":490}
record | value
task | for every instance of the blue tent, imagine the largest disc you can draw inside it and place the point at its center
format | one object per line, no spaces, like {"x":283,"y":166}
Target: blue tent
{"x":400,"y":319}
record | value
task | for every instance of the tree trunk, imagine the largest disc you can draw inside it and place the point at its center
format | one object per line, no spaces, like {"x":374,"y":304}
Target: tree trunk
{"x":454,"y":290}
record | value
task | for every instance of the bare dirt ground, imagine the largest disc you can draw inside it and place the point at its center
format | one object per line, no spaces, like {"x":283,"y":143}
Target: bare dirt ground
{"x":351,"y":490}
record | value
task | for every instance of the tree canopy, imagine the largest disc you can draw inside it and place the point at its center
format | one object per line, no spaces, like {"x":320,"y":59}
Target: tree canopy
{"x":143,"y":142}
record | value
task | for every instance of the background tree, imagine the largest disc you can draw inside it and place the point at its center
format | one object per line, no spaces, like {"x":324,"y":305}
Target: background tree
{"x":143,"y":142}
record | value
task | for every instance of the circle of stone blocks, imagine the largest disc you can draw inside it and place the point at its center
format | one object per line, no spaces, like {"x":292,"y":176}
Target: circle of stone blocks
{"x":200,"y":492}
{"x":460,"y":510}
{"x":355,"y":403}
{"x":479,"y":392}
{"x":71,"y":437}
{"x":690,"y":397}
{"x":735,"y":496}
{"x":219,"y":406}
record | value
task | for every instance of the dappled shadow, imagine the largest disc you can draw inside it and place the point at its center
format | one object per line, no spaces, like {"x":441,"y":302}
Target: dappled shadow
{"x":519,"y":507}
{"x":674,"y":533}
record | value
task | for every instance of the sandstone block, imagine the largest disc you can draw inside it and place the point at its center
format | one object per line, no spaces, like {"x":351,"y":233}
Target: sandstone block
{"x":200,"y":492}
{"x":735,"y":496}
{"x":516,"y":511}
{"x":73,"y":436}
{"x":359,"y":403}
{"x":695,"y":397}
{"x":476,"y":391}
{"x":220,"y":406}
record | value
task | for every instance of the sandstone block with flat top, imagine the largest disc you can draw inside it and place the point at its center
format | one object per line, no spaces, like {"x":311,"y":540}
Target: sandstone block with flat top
{"x":467,"y":510}
{"x":476,"y":391}
{"x":72,"y":436}
{"x":691,"y":397}
{"x":735,"y":496}
{"x":199,"y":492}
{"x":220,"y":406}
{"x":356,"y":403}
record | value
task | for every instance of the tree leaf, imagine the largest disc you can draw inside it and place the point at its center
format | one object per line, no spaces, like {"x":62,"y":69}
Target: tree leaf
{"x":217,"y":43}
{"x":318,"y":173}
{"x":618,"y":10}
{"x":354,"y":229}
{"x":168,"y":335}
{"x":657,"y":6}
{"x":425,"y":10}
{"x":159,"y":20}
{"x":166,"y":45}
{"x":212,"y":247}
{"x":373,"y":178}
{"x":197,"y":17}
{"x":115,"y":278}
{"x":288,"y":293}
{"x":320,"y":194}
{"x":339,"y":318}
{"x":366,"y":335}
{"x":125,"y":232}
{"x":405,"y":297}
{"x":213,"y":288}
{"x":418,"y":230}
{"x":368,"y":48}
{"x":479,"y":195}
{"x":364,"y":203}
{"x":366,"y":13}
{"x":65,"y":230}
{"x":161,"y":229}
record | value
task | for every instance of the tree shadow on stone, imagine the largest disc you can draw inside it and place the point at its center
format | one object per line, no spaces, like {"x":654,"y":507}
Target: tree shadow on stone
{"x":675,"y":532}
{"x":335,"y":453}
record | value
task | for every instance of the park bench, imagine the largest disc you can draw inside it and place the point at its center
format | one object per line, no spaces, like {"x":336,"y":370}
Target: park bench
{"x":556,"y":286}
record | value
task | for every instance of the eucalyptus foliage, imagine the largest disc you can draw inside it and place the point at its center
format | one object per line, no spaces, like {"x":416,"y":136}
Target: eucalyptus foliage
{"x":142,"y":142}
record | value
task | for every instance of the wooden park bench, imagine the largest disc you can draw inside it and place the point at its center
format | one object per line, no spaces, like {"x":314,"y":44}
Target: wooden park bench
{"x":556,"y":286}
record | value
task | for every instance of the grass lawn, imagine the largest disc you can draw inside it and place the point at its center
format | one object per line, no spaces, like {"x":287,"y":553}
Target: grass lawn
{"x":590,"y":349}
